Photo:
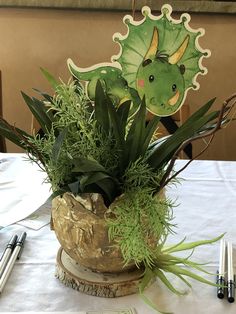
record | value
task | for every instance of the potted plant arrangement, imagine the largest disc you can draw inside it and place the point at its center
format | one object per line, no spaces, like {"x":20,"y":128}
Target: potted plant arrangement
{"x":108,"y":171}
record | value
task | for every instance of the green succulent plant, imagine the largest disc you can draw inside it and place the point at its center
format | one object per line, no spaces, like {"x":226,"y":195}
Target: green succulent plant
{"x":99,"y":148}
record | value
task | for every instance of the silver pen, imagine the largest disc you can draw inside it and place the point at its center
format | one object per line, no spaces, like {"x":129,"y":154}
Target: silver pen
{"x":119,"y":311}
{"x":231,"y":277}
{"x":15,"y":255}
{"x":7,"y":253}
{"x":221,"y":271}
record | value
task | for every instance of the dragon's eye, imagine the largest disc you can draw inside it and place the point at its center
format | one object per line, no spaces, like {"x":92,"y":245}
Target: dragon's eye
{"x":151,"y":78}
{"x":174,"y":87}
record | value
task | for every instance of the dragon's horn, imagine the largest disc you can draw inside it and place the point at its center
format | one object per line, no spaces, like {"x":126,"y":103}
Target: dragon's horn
{"x":153,"y":46}
{"x":176,"y":56}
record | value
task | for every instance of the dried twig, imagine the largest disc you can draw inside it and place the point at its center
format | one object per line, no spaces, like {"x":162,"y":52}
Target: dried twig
{"x":223,"y":113}
{"x":133,"y":8}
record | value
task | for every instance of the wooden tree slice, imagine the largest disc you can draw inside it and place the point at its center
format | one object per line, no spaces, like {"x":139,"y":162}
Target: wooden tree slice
{"x":108,"y":285}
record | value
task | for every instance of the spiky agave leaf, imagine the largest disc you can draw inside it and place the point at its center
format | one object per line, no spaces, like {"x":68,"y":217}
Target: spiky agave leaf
{"x":13,"y":134}
{"x":51,"y":79}
{"x":115,"y":120}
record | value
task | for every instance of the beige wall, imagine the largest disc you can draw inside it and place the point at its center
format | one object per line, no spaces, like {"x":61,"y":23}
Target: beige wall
{"x":32,"y":38}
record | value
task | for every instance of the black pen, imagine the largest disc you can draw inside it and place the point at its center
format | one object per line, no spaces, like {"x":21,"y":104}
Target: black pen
{"x":15,"y":255}
{"x":231,"y":277}
{"x":7,"y":253}
{"x":221,"y":272}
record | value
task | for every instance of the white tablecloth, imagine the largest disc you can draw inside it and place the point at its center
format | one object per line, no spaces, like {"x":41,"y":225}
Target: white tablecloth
{"x":22,"y":188}
{"x":206,"y":198}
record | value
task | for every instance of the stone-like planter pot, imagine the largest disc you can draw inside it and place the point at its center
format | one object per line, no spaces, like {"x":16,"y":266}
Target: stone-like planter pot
{"x":82,"y":231}
{"x":88,"y":261}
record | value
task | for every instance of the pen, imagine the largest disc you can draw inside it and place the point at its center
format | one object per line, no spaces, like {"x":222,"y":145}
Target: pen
{"x":221,"y":272}
{"x":15,"y":255}
{"x":7,"y":253}
{"x":230,"y":283}
{"x":120,"y":311}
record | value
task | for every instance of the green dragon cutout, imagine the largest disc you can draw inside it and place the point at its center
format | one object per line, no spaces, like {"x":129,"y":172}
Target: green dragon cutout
{"x":160,"y":58}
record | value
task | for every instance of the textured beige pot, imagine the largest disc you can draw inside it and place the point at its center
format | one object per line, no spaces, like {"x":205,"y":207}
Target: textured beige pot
{"x":82,"y":231}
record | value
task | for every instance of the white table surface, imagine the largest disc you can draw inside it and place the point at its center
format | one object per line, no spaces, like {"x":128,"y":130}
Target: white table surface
{"x":206,"y":198}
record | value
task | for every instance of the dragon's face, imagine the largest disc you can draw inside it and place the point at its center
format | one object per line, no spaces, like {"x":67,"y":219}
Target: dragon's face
{"x":160,"y":78}
{"x":162,"y":84}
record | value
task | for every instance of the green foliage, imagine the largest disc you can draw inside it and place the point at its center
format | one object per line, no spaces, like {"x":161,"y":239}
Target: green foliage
{"x":141,"y":221}
{"x":99,"y":148}
{"x":74,"y":128}
{"x":74,"y":143}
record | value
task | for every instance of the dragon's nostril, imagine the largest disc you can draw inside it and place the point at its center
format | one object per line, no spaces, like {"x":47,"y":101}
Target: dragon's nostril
{"x":153,"y":101}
